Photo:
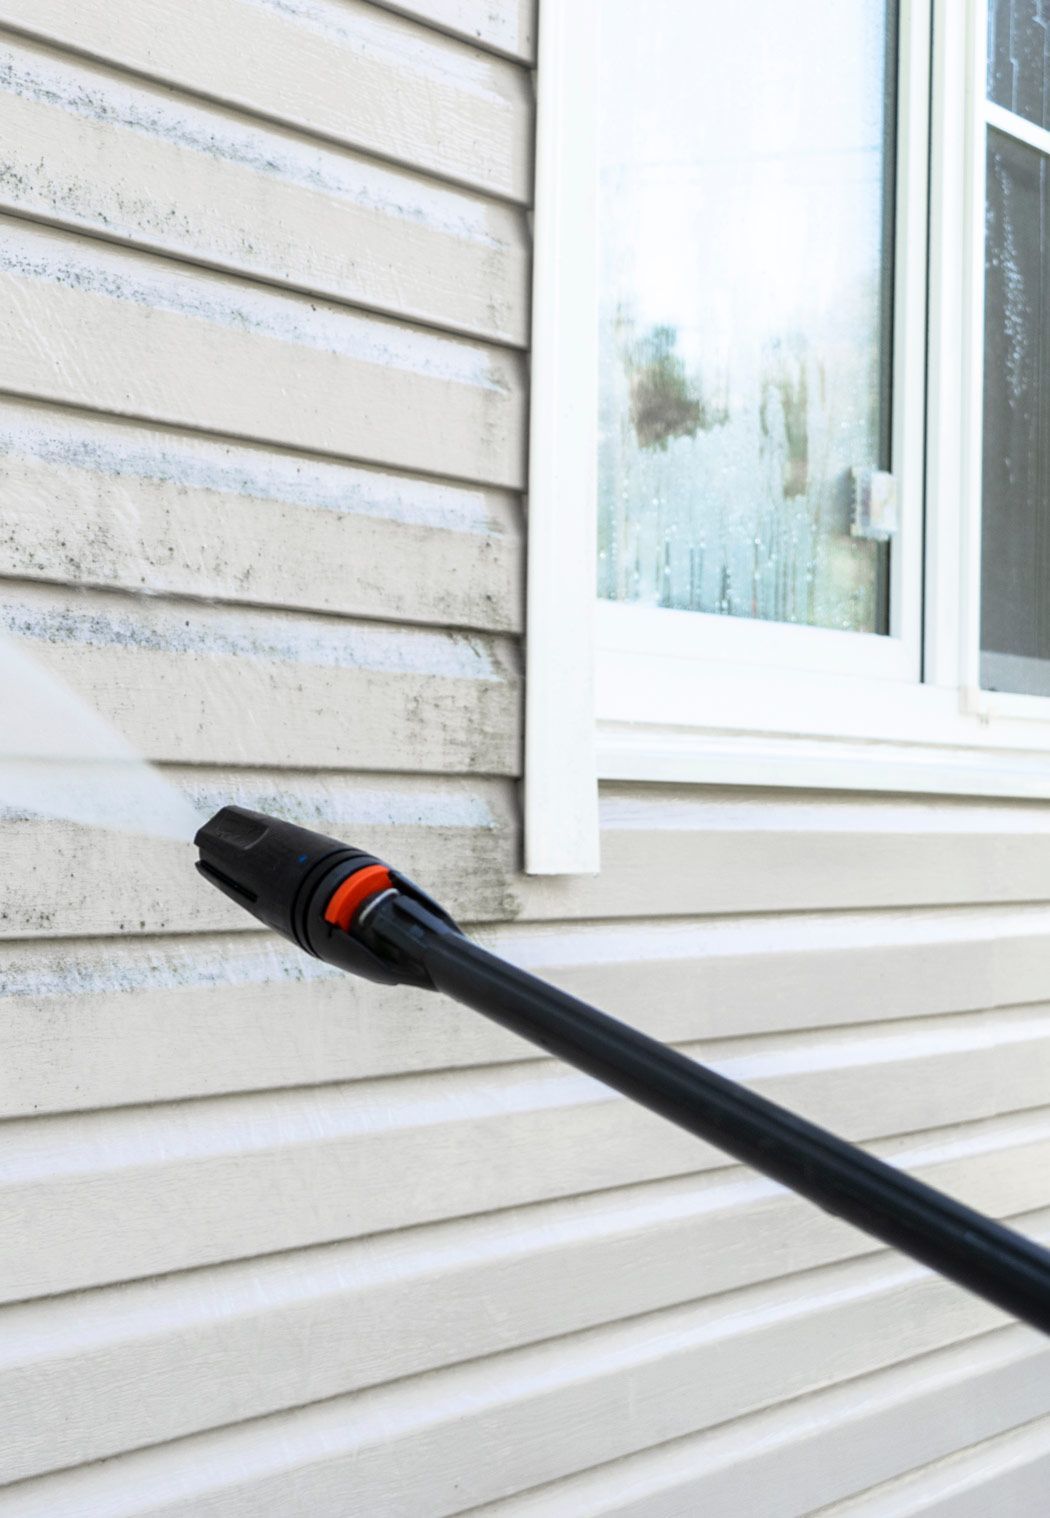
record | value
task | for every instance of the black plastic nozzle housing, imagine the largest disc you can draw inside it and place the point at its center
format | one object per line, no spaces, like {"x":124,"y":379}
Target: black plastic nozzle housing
{"x":286,"y":875}
{"x":267,"y":865}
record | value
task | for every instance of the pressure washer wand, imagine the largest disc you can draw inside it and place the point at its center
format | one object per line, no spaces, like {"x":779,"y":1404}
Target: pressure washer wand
{"x":348,"y":908}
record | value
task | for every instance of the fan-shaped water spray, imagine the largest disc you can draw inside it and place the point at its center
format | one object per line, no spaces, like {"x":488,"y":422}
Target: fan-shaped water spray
{"x":59,"y":758}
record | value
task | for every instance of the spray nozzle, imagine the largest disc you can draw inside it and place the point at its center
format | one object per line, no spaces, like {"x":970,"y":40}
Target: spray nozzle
{"x":315,"y":890}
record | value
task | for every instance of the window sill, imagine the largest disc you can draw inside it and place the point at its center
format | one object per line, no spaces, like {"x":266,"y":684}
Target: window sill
{"x":713,"y":758}
{"x":685,"y":721}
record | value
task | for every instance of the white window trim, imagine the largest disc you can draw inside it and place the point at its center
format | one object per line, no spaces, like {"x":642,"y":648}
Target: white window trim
{"x":561,"y":787}
{"x":686,"y":697}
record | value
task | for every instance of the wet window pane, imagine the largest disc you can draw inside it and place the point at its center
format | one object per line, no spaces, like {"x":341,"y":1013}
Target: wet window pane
{"x":1019,"y":57}
{"x":1015,"y":560}
{"x":745,"y":305}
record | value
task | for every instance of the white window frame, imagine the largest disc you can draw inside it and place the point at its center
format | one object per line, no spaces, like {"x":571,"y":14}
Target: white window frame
{"x":624,"y":693}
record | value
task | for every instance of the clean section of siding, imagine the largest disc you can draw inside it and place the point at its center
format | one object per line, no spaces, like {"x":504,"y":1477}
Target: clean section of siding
{"x":606,"y":1394}
{"x":481,"y":1285}
{"x":933,"y":1406}
{"x":1008,"y":1474}
{"x":281,"y":1242}
{"x":673,"y":850}
{"x":247,"y":1175}
{"x":509,"y":27}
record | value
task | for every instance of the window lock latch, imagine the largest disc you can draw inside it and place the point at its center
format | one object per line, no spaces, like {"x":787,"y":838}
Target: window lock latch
{"x":874,"y":505}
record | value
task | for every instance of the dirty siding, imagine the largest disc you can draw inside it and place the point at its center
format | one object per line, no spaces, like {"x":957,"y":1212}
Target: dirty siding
{"x":280,"y":1243}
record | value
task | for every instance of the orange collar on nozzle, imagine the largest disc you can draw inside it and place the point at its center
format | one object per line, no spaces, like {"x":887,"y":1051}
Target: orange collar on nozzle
{"x":348,"y":898}
{"x":315,"y":890}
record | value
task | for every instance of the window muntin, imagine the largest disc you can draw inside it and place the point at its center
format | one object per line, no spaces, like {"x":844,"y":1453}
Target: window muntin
{"x":745,"y":306}
{"x":1019,"y":58}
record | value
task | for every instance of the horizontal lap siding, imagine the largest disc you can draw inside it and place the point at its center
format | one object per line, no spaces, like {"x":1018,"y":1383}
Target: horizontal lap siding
{"x":933,"y":1406}
{"x":224,"y":1013}
{"x":88,"y":149}
{"x":453,"y":832}
{"x":677,"y":850}
{"x":602,"y":1395}
{"x":280,"y":1242}
{"x":246,"y":1175}
{"x":730,"y":853}
{"x":265,"y":273}
{"x":1007,"y":1474}
{"x":481,"y":1285}
{"x":157,"y":340}
{"x":190,"y":515}
{"x":209,"y":685}
{"x":509,"y":27}
{"x":341,"y":70}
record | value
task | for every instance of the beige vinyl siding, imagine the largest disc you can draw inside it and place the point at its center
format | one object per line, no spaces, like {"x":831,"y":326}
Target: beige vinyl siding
{"x":345,"y":71}
{"x":777,"y":1461}
{"x":197,"y":516}
{"x":1007,"y":1474}
{"x":199,"y":182}
{"x":685,"y":981}
{"x":278,"y":1242}
{"x":277,"y":688}
{"x":509,"y":27}
{"x":159,"y":341}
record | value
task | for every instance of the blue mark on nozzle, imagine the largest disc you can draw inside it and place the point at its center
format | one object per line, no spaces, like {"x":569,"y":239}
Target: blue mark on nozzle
{"x":302,"y":858}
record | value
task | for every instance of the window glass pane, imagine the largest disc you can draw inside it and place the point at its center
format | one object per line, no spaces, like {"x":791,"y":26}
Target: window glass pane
{"x":1015,"y":559}
{"x":745,"y":304}
{"x":1019,"y":57}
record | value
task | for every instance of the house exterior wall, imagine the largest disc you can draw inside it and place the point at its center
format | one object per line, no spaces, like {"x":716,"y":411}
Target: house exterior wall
{"x":277,"y":1242}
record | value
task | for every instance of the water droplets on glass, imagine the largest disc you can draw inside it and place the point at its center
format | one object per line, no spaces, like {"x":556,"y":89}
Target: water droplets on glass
{"x":745,"y":309}
{"x":1015,"y":550}
{"x":1019,"y":57}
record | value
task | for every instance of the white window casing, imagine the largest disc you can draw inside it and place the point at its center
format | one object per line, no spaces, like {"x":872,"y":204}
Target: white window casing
{"x":561,"y":789}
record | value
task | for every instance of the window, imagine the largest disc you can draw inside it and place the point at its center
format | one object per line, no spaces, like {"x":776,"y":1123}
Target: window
{"x":1015,"y":552}
{"x":745,"y":308}
{"x":790,"y":472}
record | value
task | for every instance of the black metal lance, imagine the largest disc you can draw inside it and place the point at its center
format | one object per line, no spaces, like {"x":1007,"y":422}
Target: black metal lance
{"x":348,"y":908}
